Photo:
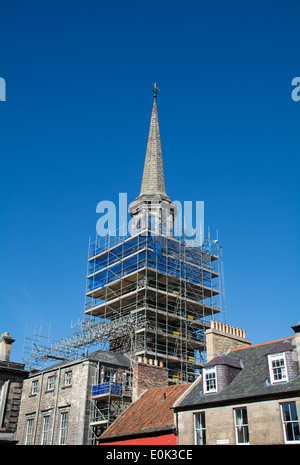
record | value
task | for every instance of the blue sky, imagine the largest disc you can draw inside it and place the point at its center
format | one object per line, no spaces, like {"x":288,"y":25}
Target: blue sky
{"x":74,"y":129}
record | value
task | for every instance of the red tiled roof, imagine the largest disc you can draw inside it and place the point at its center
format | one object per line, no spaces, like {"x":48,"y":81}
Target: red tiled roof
{"x":152,"y":411}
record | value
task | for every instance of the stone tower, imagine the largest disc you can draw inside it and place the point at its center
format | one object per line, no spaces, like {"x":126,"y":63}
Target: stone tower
{"x":156,"y":292}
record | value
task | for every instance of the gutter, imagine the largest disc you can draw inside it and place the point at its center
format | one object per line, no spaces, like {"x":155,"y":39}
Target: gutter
{"x":140,"y":434}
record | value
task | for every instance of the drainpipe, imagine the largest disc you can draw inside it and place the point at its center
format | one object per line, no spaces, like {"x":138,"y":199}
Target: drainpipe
{"x":38,"y":409}
{"x":177,"y":430}
{"x":55,"y":408}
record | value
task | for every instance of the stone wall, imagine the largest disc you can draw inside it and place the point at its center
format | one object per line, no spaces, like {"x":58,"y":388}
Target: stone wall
{"x":11,"y":393}
{"x":53,"y":402}
{"x":264,"y":420}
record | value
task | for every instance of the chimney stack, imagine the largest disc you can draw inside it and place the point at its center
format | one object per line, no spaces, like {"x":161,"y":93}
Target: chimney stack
{"x":222,"y":338}
{"x":147,"y":375}
{"x":297,"y":339}
{"x":5,"y":346}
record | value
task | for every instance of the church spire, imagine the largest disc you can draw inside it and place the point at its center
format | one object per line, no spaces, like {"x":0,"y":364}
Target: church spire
{"x":153,"y":200}
{"x":153,"y":182}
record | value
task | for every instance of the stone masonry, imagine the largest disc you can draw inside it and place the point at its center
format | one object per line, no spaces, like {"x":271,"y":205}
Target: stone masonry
{"x":153,"y":176}
{"x":221,"y":338}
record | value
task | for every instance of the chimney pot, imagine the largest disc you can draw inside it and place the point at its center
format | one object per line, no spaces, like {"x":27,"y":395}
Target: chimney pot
{"x":5,"y":346}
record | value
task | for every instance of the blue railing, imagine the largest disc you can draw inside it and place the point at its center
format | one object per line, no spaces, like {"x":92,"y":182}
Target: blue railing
{"x":107,"y":388}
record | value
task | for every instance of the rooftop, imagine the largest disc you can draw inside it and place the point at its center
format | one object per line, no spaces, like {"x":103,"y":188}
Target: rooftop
{"x":139,"y":418}
{"x":104,"y":356}
{"x":252,"y":381}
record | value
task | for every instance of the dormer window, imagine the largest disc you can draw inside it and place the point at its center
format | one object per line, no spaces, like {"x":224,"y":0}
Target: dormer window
{"x":277,"y":368}
{"x":209,"y":380}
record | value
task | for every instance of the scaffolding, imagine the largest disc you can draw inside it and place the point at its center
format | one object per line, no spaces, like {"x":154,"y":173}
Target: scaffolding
{"x":169,"y":287}
{"x":39,"y":351}
{"x":148,"y":296}
{"x":111,"y":395}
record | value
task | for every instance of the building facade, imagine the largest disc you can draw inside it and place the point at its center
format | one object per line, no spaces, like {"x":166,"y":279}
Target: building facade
{"x":73,"y":402}
{"x":250,"y":395}
{"x":12,"y":375}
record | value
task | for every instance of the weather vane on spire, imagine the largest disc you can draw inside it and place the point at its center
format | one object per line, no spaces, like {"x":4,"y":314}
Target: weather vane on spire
{"x":155,"y":90}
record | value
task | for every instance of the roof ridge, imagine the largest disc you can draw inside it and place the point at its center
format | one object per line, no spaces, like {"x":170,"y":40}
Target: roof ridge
{"x":261,"y":343}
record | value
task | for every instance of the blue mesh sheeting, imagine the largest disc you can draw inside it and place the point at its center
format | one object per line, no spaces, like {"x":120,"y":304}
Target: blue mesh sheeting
{"x":107,"y":388}
{"x":165,"y":254}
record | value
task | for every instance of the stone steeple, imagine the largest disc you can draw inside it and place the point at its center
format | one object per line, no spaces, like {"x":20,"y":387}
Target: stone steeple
{"x":153,"y":182}
{"x":153,"y":201}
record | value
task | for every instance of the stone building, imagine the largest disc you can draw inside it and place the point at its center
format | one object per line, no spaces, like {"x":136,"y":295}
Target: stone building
{"x":12,"y":375}
{"x":72,"y":402}
{"x":248,"y":395}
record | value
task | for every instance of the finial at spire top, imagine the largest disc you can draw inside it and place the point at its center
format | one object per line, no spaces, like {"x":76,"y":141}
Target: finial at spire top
{"x":155,"y":90}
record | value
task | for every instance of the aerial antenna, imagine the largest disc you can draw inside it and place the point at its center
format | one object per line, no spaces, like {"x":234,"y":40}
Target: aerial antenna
{"x":155,"y":90}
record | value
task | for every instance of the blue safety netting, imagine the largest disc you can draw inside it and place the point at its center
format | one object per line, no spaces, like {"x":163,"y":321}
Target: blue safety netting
{"x":163,"y":254}
{"x":107,"y":388}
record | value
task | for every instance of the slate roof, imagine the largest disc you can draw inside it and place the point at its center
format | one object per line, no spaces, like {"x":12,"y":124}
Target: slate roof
{"x":104,"y":356}
{"x":110,"y":358}
{"x":225,"y":360}
{"x":151,"y":413}
{"x":252,"y":381}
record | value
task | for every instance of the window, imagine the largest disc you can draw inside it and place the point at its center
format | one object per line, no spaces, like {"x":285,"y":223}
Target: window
{"x":68,"y":378}
{"x":210,"y":380}
{"x":277,"y":368}
{"x":1,"y":390}
{"x":29,"y":431}
{"x":51,"y":381}
{"x":35,"y":385}
{"x":109,"y":376}
{"x":200,"y":432}
{"x":290,"y":422}
{"x":45,"y":435}
{"x":63,"y":428}
{"x":3,"y":395}
{"x":241,"y":426}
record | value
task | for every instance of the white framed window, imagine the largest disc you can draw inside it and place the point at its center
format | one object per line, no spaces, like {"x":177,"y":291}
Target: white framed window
{"x":51,"y":381}
{"x":46,"y":429}
{"x":35,"y":386}
{"x":290,"y":423}
{"x":200,"y":430}
{"x":109,"y":376}
{"x":209,"y":380}
{"x":241,"y":425}
{"x":277,"y":368}
{"x":29,"y":431}
{"x":68,"y":378}
{"x":64,"y":419}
